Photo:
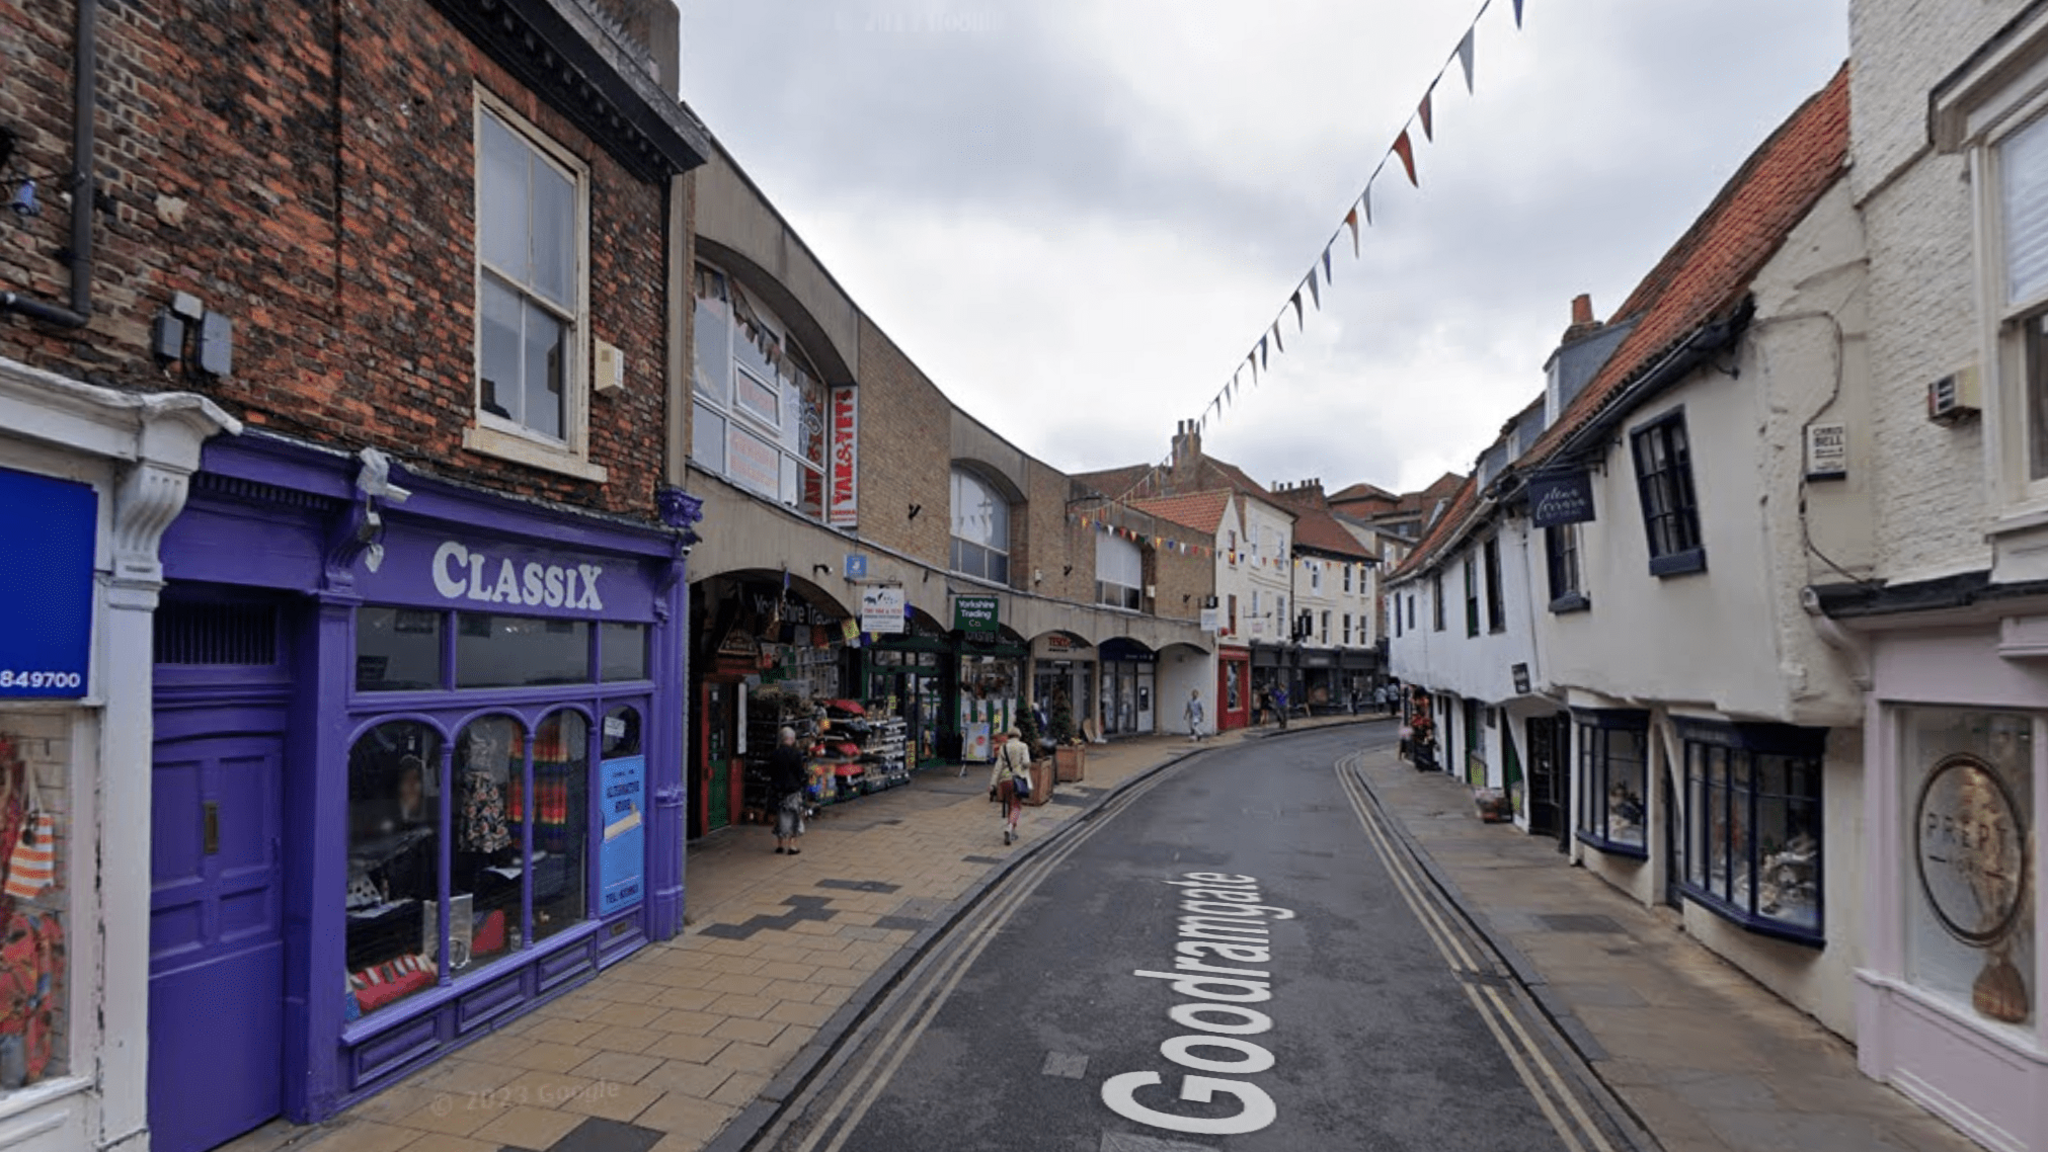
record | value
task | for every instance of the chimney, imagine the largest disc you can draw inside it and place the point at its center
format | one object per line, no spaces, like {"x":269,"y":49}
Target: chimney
{"x":1187,"y":451}
{"x":1583,"y":323}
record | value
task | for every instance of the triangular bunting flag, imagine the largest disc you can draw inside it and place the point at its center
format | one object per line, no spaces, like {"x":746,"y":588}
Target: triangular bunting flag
{"x":1465,"y":56}
{"x":1427,"y":111}
{"x":1518,"y":13}
{"x":1351,"y":222}
{"x":1326,"y":267}
{"x":1280,"y":345}
{"x":1296,"y":301}
{"x":1314,"y":292}
{"x":1265,"y":357}
{"x":1405,"y":149}
{"x":1367,"y":201}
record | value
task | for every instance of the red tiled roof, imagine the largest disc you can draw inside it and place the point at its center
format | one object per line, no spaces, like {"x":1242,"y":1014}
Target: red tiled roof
{"x":1147,"y":481}
{"x":1703,"y":278}
{"x":1706,"y":275}
{"x":1202,"y":511}
{"x":1319,"y":531}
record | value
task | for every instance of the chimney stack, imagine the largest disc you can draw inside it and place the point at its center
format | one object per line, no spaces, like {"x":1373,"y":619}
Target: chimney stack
{"x":1583,"y":323}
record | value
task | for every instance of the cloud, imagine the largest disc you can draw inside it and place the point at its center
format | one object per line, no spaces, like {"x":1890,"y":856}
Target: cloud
{"x":1078,"y":216}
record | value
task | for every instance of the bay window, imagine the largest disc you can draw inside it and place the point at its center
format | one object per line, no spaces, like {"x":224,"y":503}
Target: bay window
{"x":759,"y":417}
{"x":1753,"y":825}
{"x":1614,"y":762}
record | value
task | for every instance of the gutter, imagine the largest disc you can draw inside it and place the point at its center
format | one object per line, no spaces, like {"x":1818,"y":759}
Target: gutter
{"x":84,"y":188}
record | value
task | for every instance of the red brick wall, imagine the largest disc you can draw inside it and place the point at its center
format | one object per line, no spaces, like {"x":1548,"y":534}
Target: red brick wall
{"x":312,"y":181}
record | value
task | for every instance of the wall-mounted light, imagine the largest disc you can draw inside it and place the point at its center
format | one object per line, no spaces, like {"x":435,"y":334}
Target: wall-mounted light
{"x":24,"y":202}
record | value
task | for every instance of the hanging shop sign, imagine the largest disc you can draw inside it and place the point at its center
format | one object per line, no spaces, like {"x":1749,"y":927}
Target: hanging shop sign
{"x":622,"y":862}
{"x":52,"y":526}
{"x":976,"y":616}
{"x":1209,"y":620}
{"x":1560,"y":498}
{"x":844,"y":509}
{"x":881,"y":610}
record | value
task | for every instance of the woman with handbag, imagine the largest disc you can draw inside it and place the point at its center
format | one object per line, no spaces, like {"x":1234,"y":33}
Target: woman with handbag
{"x":1010,"y":781}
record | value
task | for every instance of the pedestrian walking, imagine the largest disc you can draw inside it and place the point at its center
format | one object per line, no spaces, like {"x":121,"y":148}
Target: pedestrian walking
{"x":1013,"y":760}
{"x":1262,"y":703}
{"x":788,"y":776}
{"x":1194,"y":715}
{"x":1280,"y":704}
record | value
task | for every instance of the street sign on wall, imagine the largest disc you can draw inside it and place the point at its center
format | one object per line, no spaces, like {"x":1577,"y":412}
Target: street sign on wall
{"x":47,"y":585}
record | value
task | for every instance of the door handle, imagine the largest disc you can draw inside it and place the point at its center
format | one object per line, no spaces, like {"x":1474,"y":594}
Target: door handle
{"x":210,"y":833}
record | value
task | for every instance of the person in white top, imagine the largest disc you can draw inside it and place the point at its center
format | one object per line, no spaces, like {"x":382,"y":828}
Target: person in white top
{"x":1194,"y":715}
{"x":1013,"y":760}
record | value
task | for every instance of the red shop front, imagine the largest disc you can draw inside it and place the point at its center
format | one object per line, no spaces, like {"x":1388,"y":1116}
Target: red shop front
{"x":1233,"y":688}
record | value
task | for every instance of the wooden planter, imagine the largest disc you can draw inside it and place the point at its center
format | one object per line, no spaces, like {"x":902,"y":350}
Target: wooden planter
{"x":1072,"y":760}
{"x":1041,"y":783}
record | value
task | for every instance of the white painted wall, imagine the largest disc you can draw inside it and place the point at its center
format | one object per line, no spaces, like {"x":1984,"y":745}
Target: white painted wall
{"x":1264,"y":534}
{"x":1479,"y":666}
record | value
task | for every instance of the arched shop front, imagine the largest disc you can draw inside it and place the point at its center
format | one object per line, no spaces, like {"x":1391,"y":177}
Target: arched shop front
{"x":1129,"y":688}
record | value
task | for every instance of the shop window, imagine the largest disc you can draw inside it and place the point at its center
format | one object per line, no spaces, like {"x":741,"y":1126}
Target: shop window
{"x":1496,"y":599}
{"x":1561,"y":556}
{"x":1613,"y":811}
{"x":494,"y":651}
{"x":1671,"y":513}
{"x":561,"y":822}
{"x":981,"y":528}
{"x":35,"y":984}
{"x":1471,"y":574}
{"x":483,"y":916}
{"x":394,"y":795}
{"x":1753,"y":825}
{"x":759,"y":416}
{"x":1120,"y":572}
{"x":1966,"y":780}
{"x":532,"y":292}
{"x":398,"y":649}
{"x":623,"y":652}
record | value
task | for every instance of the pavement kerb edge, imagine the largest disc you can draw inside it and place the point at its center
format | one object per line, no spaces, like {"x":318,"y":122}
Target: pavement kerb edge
{"x":1526,"y":974}
{"x":747,"y":1127}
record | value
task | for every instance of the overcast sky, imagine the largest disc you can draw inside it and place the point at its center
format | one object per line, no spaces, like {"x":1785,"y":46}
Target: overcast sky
{"x":1077,"y":216}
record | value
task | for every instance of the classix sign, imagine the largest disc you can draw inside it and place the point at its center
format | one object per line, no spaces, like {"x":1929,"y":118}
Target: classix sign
{"x":47,"y":585}
{"x":843,"y":510}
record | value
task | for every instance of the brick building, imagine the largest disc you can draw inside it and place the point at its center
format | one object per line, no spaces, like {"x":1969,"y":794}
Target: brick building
{"x":343,"y":355}
{"x":881,"y":549}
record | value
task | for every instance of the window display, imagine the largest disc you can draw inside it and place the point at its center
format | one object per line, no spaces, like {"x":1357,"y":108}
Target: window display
{"x":33,"y":1022}
{"x":1752,"y":841}
{"x":1968,"y":784}
{"x":1614,"y":781}
{"x":561,"y":821}
{"x":393,"y":860}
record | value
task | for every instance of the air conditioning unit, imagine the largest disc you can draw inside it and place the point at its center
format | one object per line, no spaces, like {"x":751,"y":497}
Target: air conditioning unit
{"x":1955,"y":397}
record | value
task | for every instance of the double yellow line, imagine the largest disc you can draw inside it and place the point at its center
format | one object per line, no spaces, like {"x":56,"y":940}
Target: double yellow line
{"x":1474,"y":966}
{"x":917,"y":1001}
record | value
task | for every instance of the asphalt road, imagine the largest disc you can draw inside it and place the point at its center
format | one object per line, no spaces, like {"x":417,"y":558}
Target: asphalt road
{"x":1356,"y":1013}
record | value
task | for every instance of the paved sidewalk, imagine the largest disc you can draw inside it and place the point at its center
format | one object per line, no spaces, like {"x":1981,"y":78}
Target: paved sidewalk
{"x":666,"y":1049}
{"x":1707,"y":1059}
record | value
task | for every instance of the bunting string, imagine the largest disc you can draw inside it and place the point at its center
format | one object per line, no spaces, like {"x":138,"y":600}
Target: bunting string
{"x":1357,"y":216}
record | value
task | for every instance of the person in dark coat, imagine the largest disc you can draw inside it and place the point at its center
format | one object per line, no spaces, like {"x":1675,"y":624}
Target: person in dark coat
{"x":789,"y":777}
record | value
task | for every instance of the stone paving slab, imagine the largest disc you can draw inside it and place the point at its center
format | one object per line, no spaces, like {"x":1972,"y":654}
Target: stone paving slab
{"x":1706,"y":1058}
{"x":664,"y":1050}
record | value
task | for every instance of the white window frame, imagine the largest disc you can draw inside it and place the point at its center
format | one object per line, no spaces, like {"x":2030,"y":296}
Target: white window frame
{"x":493,"y":435}
{"x":1315,"y":575}
{"x":2000,"y":93}
{"x":997,"y":498}
{"x":743,"y":420}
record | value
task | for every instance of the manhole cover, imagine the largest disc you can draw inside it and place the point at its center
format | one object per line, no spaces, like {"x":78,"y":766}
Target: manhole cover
{"x":1578,"y":922}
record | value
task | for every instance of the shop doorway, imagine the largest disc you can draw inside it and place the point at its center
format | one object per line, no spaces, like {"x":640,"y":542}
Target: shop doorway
{"x":216,"y":964}
{"x":1549,"y":756}
{"x":718,"y":752}
{"x":910,"y":686}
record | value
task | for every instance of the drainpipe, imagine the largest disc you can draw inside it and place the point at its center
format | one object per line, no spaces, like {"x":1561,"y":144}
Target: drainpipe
{"x":84,"y":188}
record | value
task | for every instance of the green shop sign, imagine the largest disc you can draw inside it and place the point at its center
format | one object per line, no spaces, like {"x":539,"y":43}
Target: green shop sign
{"x":976,"y":615}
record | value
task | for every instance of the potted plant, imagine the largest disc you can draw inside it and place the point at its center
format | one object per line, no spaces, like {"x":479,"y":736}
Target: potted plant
{"x":1041,"y":766}
{"x":1070,"y":756}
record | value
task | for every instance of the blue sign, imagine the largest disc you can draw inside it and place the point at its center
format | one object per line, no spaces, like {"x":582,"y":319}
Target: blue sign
{"x":856,"y":566}
{"x":622,"y":861}
{"x":1560,"y":498}
{"x":46,"y":585}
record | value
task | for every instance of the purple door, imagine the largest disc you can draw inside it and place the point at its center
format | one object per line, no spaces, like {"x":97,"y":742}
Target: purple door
{"x":216,"y":968}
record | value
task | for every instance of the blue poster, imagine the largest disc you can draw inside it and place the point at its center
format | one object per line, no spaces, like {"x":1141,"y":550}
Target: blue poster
{"x":622,"y":862}
{"x":47,"y":585}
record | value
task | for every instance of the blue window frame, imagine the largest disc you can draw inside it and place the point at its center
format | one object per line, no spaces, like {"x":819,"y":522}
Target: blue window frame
{"x":1614,"y":781}
{"x":1753,"y":826}
{"x":1671,"y":513}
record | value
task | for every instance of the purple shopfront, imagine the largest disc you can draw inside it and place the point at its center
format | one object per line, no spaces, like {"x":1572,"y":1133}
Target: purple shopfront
{"x":418,"y":769}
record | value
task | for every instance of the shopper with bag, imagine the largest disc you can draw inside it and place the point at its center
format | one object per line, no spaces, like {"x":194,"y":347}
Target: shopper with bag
{"x":789,"y":777}
{"x":1010,"y":781}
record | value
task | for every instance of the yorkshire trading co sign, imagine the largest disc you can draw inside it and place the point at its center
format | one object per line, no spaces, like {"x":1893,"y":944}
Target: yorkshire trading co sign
{"x":1560,"y":498}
